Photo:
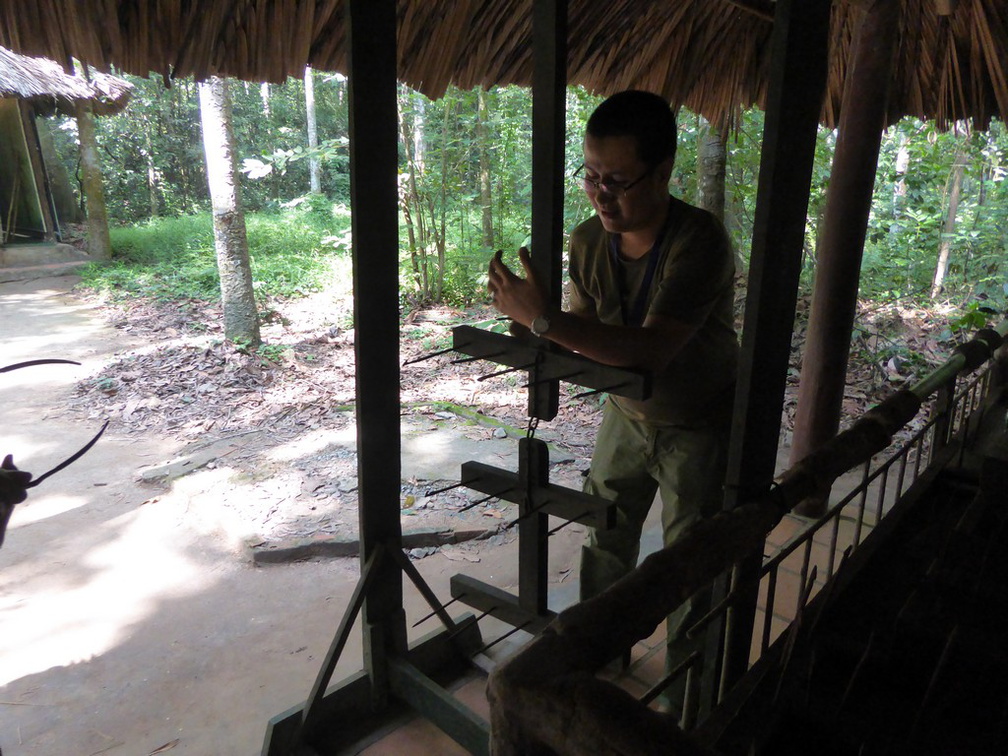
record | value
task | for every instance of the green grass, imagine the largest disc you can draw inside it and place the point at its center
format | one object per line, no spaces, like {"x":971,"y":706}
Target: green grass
{"x":294,"y":252}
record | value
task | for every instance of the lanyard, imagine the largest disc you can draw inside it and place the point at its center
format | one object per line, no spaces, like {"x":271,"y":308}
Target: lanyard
{"x":636,"y":316}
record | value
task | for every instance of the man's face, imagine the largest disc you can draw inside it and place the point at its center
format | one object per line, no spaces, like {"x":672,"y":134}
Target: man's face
{"x":633,"y":196}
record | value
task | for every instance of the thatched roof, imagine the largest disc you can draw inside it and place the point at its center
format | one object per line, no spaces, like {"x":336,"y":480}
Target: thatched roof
{"x":711,"y":55}
{"x":50,"y":88}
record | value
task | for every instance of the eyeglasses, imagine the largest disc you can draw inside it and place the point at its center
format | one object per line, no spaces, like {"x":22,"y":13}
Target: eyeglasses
{"x":615,"y":188}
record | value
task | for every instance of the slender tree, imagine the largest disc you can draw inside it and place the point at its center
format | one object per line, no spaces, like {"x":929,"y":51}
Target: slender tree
{"x":241,"y":321}
{"x":99,"y":244}
{"x":948,"y":228}
{"x":485,"y":185}
{"x":314,"y":165}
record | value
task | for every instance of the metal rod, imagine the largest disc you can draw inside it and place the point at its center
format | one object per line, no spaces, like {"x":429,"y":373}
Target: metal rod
{"x":901,"y":477}
{"x":525,"y":516}
{"x":481,"y":357}
{"x":881,"y":496}
{"x":768,"y":610}
{"x":792,"y":638}
{"x":834,"y":537}
{"x":827,"y":594}
{"x":565,"y":377}
{"x":476,"y":503}
{"x":508,"y":634}
{"x":437,"y":491}
{"x":488,"y":376}
{"x":478,"y":617}
{"x":584,"y":394}
{"x":443,"y":606}
{"x":431,"y":355}
{"x":806,"y":560}
{"x":862,"y":503}
{"x":568,"y":522}
{"x":655,"y":690}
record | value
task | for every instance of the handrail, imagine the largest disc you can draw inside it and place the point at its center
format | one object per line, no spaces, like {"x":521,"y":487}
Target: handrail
{"x":547,"y":695}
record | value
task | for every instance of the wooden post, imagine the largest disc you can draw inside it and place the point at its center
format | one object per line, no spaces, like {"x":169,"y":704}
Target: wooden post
{"x":841,"y":243}
{"x":794,"y":102}
{"x":371,"y":26}
{"x":549,"y":80}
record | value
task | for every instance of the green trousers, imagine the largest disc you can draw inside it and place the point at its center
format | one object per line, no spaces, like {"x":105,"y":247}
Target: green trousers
{"x":632,"y":462}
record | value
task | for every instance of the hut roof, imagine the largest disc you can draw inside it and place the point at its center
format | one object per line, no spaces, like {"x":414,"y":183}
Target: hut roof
{"x":710,"y":55}
{"x":50,"y":88}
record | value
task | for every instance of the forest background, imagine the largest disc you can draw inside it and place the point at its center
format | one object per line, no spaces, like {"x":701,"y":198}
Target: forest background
{"x":936,"y":237}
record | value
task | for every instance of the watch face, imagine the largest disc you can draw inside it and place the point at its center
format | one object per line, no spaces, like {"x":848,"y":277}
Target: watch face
{"x":540,"y":325}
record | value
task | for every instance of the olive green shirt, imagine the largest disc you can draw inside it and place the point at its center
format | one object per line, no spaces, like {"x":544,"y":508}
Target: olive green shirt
{"x":693,"y":282}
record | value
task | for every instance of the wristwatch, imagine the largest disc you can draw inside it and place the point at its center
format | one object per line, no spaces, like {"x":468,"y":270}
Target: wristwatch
{"x":539,"y":326}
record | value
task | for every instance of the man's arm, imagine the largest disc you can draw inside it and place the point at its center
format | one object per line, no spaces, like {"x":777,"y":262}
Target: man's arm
{"x":650,"y":346}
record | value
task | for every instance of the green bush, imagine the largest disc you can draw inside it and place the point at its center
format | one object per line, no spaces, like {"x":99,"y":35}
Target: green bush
{"x":292,"y":253}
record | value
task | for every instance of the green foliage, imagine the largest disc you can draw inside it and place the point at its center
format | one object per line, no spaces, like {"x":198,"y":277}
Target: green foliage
{"x":456,"y":150}
{"x":174,"y":258}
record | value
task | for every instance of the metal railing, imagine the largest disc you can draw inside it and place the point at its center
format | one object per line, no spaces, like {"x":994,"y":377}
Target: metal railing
{"x":885,"y":479}
{"x":811,"y":560}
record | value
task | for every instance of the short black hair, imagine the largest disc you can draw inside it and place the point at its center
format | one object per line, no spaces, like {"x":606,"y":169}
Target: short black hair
{"x":644,"y":116}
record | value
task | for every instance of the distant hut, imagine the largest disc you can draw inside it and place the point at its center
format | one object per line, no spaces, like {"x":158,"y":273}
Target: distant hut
{"x":31,"y":206}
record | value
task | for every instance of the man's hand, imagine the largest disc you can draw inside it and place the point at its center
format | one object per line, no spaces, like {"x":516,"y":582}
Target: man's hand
{"x":521,"y":299}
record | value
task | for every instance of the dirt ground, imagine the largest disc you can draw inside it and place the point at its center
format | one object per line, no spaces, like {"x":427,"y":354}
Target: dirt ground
{"x":133,"y":619}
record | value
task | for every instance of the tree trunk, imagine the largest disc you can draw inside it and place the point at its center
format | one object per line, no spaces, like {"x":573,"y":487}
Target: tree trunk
{"x":899,"y":187}
{"x":442,"y":223}
{"x":264,"y":95}
{"x":99,"y":244}
{"x":151,"y":172}
{"x":486,"y":194}
{"x":409,"y":198}
{"x":314,"y":167}
{"x":711,"y":170}
{"x":241,"y":321}
{"x":955,"y":192}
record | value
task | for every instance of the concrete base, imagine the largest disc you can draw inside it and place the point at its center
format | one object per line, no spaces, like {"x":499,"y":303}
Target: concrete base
{"x":20,"y":262}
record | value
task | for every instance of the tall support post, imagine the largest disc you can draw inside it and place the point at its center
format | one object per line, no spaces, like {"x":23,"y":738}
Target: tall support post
{"x":371,"y":43}
{"x":794,"y":103}
{"x":549,"y":88}
{"x":841,"y":243}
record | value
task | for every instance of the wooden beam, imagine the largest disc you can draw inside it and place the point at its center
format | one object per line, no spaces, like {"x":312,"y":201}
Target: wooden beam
{"x":549,"y":107}
{"x":371,"y":42}
{"x":794,"y":102}
{"x":841,"y":241}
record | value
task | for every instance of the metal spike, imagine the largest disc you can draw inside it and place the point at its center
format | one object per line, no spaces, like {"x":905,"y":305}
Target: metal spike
{"x":584,"y":394}
{"x":488,"y":376}
{"x":446,"y":488}
{"x":481,"y":357}
{"x":434,"y":613}
{"x":566,"y":377}
{"x":565,"y":524}
{"x":431,"y":355}
{"x":508,"y":634}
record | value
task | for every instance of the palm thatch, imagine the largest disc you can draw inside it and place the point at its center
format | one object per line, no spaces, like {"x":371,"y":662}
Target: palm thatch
{"x":710,"y":55}
{"x":49,"y":87}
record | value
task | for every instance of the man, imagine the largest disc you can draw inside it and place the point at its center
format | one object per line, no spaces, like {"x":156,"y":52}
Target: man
{"x":651,"y":287}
